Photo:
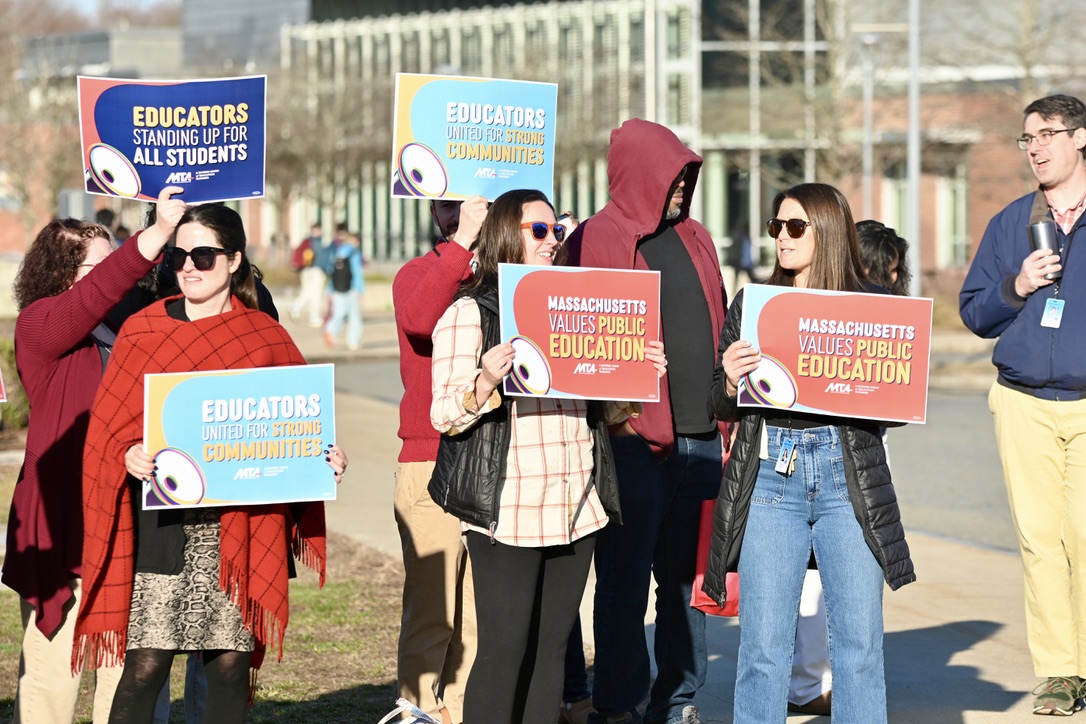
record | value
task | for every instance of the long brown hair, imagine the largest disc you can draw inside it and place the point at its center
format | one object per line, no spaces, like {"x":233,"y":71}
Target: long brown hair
{"x":500,"y":238}
{"x":836,"y":262}
{"x":50,"y":264}
{"x":229,"y":231}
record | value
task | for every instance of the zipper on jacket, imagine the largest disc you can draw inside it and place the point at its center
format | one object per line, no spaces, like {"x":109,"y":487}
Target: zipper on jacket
{"x":492,"y":529}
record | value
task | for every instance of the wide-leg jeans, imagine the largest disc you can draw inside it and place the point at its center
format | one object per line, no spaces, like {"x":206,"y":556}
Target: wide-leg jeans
{"x":791,"y":515}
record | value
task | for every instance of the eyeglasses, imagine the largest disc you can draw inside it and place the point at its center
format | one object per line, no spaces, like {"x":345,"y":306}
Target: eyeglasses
{"x":1043,"y":138}
{"x":796,"y":227}
{"x":680,"y":178}
{"x":540,"y":229}
{"x":203,"y":257}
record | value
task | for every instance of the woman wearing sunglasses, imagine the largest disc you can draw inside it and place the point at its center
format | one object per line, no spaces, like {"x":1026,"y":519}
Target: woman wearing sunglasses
{"x":532,"y":479}
{"x":831,"y":499}
{"x":144,"y":569}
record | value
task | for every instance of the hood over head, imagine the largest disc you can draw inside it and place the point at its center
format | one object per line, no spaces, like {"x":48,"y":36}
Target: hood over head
{"x":642,"y":162}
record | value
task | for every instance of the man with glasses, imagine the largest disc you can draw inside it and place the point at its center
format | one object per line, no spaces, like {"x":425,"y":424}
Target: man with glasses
{"x":668,"y":460}
{"x":1039,"y":399}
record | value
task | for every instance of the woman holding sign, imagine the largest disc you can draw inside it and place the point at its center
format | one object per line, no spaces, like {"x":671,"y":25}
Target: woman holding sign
{"x":531,"y":478}
{"x":225,"y":570}
{"x":69,"y":280}
{"x":799,"y":486}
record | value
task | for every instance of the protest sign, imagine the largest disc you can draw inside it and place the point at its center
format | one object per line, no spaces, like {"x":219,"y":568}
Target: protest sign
{"x":838,"y":353}
{"x":455,"y":137}
{"x":206,"y":136}
{"x":580,"y":332}
{"x":239,"y":437}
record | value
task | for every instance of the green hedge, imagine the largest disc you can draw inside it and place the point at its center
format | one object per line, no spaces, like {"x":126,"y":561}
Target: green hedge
{"x":15,"y":413}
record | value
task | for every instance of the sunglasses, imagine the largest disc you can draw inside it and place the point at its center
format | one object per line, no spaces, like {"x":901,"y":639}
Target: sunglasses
{"x":540,"y":229}
{"x":796,"y":227}
{"x":203,"y":257}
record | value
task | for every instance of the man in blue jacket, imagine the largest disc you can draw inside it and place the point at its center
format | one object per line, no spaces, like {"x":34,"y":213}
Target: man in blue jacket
{"x":1039,"y":398}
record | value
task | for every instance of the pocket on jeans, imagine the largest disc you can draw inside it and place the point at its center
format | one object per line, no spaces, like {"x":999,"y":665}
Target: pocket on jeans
{"x":836,"y":465}
{"x":769,"y":487}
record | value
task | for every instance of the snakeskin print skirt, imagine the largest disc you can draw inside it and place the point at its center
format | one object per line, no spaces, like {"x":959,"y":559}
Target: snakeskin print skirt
{"x":188,"y":612}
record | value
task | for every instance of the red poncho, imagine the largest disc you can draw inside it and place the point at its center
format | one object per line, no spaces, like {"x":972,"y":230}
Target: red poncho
{"x":253,"y":539}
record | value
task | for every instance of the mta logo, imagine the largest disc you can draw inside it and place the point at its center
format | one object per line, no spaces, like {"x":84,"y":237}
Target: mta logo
{"x":839,"y":387}
{"x":247,"y":474}
{"x":585,"y":368}
{"x":179,"y":177}
{"x":484,"y":172}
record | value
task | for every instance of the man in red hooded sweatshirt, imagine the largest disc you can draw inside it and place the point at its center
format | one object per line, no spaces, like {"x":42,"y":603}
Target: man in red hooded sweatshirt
{"x":669,"y":459}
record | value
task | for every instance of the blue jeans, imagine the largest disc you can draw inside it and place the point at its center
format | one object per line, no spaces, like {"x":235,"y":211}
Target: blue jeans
{"x":345,"y":309}
{"x":661,"y":504}
{"x":789,"y":516}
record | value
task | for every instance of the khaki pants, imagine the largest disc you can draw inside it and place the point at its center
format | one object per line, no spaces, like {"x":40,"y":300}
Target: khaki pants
{"x":1042,"y":445}
{"x":47,"y":690}
{"x":437,"y":632}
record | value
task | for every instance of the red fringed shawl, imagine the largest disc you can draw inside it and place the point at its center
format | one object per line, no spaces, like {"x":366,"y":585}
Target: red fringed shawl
{"x":253,"y":539}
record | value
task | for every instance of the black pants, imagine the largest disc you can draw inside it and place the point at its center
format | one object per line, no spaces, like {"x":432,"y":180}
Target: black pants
{"x":526,"y":600}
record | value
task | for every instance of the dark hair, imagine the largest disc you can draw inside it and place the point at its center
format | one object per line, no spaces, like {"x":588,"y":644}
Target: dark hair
{"x":226,"y":225}
{"x":836,"y":262}
{"x":500,"y":238}
{"x":880,"y":247}
{"x":105,"y":217}
{"x":341,"y":226}
{"x":50,"y":264}
{"x":1068,"y":109}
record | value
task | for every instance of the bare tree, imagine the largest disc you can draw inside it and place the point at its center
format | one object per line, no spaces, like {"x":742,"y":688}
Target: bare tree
{"x":39,"y":138}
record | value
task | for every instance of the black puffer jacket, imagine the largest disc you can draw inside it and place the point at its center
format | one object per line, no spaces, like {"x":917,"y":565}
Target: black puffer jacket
{"x":470,"y":469}
{"x":866,"y":472}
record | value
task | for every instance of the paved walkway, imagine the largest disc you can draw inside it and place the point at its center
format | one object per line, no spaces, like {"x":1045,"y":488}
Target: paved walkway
{"x":955,"y":645}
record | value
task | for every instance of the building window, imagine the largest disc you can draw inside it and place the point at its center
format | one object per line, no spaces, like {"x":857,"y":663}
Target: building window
{"x":895,"y":198}
{"x":952,"y":218}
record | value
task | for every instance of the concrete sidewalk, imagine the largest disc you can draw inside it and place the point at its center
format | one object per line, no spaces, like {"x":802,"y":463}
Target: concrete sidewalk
{"x":955,"y":640}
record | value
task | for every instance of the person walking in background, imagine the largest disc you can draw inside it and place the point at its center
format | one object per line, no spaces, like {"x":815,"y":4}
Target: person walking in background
{"x":769,"y":522}
{"x":668,"y":459}
{"x":137,"y":585}
{"x":437,"y":629}
{"x":345,"y":286}
{"x":741,"y":254}
{"x":67,"y":284}
{"x":308,"y":261}
{"x":531,"y":478}
{"x":1038,"y":401}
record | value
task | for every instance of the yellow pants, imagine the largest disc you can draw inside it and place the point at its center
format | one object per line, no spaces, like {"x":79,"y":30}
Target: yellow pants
{"x":1042,"y":445}
{"x":47,"y":689}
{"x":437,"y":632}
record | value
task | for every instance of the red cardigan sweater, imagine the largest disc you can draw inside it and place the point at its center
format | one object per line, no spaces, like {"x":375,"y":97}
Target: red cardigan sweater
{"x":253,"y":540}
{"x":60,"y":368}
{"x":422,"y":291}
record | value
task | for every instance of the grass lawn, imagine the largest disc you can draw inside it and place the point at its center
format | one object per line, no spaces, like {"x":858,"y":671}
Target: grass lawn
{"x":339,"y":660}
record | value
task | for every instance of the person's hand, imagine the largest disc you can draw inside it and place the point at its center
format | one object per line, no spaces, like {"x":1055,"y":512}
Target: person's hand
{"x":739,"y":359}
{"x":337,"y":460}
{"x":138,"y":463}
{"x":168,"y":211}
{"x":1031,"y":276}
{"x":472,"y":215}
{"x":495,"y":364}
{"x":654,"y":352}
